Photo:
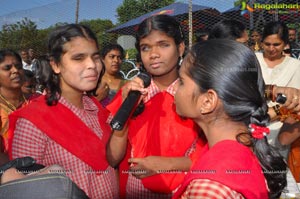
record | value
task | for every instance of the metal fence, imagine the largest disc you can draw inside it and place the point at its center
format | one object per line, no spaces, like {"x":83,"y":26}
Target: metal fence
{"x":196,"y":16}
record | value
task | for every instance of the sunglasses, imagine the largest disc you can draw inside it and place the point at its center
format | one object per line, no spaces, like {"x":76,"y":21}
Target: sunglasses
{"x":287,"y":51}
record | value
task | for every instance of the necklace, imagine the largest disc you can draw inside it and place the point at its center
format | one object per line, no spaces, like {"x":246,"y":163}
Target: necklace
{"x":10,"y":105}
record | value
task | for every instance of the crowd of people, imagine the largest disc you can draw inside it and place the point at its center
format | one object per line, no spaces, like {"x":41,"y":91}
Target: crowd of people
{"x":211,"y":123}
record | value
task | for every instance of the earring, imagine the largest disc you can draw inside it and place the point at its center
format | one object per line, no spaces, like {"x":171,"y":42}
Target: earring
{"x":180,"y":61}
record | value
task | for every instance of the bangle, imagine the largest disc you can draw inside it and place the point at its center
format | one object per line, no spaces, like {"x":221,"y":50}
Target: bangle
{"x":267,"y":92}
{"x":276,"y":108}
{"x":273,"y":93}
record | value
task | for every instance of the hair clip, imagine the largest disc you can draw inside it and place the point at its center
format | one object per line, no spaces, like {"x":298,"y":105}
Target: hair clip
{"x":258,"y":132}
{"x":64,"y":39}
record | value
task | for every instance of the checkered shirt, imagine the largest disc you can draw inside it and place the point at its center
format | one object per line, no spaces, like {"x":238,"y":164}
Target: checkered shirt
{"x":30,"y":141}
{"x":203,"y":188}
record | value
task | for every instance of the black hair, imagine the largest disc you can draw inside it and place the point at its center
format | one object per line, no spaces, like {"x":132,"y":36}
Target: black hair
{"x":163,"y":23}
{"x":276,"y":27}
{"x":43,"y":72}
{"x":8,"y":52}
{"x":234,"y":73}
{"x":56,"y":40}
{"x":28,"y":75}
{"x":227,"y":29}
{"x":255,"y":30}
{"x":106,"y":49}
{"x":200,"y":34}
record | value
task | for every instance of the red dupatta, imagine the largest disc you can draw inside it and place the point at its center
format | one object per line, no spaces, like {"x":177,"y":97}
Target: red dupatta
{"x":65,"y":128}
{"x":159,"y":131}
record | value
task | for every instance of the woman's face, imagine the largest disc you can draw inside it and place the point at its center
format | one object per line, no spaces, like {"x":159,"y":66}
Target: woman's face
{"x":187,"y":92}
{"x":11,"y":73}
{"x":112,"y":62}
{"x":273,"y":46}
{"x":80,"y":65}
{"x":255,"y":36}
{"x":159,"y":53}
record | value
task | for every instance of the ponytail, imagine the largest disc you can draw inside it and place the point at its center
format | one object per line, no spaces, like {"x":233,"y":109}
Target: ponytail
{"x":272,"y":163}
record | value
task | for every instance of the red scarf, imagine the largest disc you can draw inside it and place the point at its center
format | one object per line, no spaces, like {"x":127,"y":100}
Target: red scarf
{"x":227,"y":162}
{"x":159,"y":131}
{"x":65,"y":128}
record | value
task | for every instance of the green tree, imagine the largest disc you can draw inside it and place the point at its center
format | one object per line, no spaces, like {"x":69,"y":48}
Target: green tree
{"x":19,"y":35}
{"x":99,"y":27}
{"x":131,"y":9}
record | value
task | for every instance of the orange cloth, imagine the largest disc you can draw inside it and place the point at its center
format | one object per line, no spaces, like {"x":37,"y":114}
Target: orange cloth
{"x":294,"y":159}
{"x":5,"y":111}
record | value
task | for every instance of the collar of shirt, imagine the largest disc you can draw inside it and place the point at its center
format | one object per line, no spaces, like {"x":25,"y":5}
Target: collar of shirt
{"x":88,"y":104}
{"x":153,"y":90}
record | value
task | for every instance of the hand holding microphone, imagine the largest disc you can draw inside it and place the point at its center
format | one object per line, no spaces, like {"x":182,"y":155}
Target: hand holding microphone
{"x":127,"y":108}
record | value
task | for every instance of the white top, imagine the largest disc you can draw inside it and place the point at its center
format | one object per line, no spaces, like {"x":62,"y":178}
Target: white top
{"x":287,"y":73}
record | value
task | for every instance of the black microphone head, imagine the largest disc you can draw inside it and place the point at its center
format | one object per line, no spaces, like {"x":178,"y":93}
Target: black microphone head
{"x":146,"y":77}
{"x":24,"y":162}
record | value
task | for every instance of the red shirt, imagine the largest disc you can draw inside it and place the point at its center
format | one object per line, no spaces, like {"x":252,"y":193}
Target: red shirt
{"x":231,"y":164}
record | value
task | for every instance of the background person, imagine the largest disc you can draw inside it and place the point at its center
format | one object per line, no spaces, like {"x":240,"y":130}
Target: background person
{"x":11,"y":81}
{"x":278,"y":69}
{"x":111,"y":56}
{"x":293,"y":43}
{"x":255,"y":40}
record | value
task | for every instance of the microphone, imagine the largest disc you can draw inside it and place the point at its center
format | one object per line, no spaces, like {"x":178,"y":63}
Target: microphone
{"x":18,"y":163}
{"x":127,"y":107}
{"x":281,"y":98}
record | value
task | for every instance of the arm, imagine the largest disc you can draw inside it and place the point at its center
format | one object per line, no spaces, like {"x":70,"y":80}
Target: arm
{"x":289,"y":132}
{"x":102,"y":91}
{"x":272,"y":113}
{"x":117,"y":144}
{"x":116,"y":147}
{"x":3,"y":156}
{"x":151,"y":165}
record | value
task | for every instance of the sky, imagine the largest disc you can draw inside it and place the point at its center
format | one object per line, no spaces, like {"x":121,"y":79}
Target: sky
{"x":48,"y":12}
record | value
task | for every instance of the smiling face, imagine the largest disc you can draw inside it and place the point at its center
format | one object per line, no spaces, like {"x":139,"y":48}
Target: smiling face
{"x":159,"y":53}
{"x":80,"y":65}
{"x":11,"y":73}
{"x":273,"y":46}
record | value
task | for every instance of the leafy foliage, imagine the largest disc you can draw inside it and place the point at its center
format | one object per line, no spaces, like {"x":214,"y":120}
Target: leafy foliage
{"x":19,"y":35}
{"x":99,"y":27}
{"x":24,"y":34}
{"x":138,"y":8}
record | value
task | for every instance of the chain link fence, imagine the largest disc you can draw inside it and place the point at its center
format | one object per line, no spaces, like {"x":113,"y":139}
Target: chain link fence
{"x":196,"y":17}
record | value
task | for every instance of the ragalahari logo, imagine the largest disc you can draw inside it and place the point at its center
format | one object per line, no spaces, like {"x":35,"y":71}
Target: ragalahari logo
{"x":245,"y":8}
